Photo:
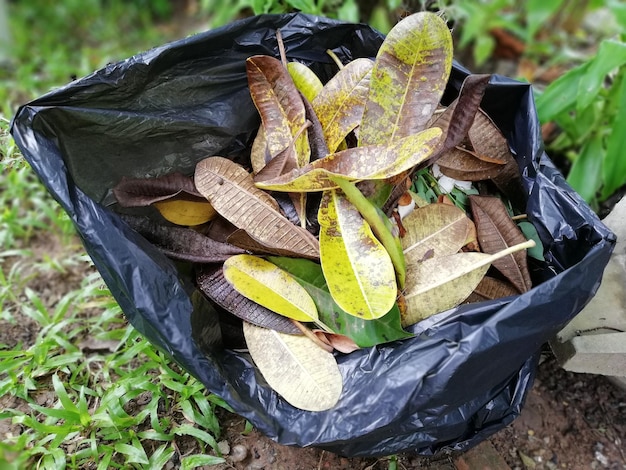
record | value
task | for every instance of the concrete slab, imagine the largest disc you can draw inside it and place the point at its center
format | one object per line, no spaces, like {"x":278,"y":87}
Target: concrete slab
{"x":595,"y":340}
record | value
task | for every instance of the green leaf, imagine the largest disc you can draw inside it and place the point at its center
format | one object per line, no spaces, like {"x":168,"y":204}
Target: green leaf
{"x":194,"y":461}
{"x":560,"y":96}
{"x":409,"y":77}
{"x":611,"y":55}
{"x":357,"y":268}
{"x":377,"y":162}
{"x":305,"y":80}
{"x":530,"y":232}
{"x":364,"y":333}
{"x":614,"y":165}
{"x":339,"y":106}
{"x":585,"y":176}
{"x":134,"y":453}
{"x":269,"y":286}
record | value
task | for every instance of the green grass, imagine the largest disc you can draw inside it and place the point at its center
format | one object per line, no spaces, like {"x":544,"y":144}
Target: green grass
{"x":79,"y":388}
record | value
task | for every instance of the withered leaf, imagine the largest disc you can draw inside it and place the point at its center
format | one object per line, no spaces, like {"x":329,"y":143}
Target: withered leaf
{"x":456,"y":120}
{"x":371,"y":162}
{"x":141,"y":192}
{"x":438,"y":284}
{"x":181,"y":243}
{"x":339,"y":105}
{"x":496,"y":231}
{"x":231,"y":191}
{"x":489,"y":144}
{"x":409,"y":77}
{"x":210,"y":280}
{"x":464,"y":165}
{"x":314,"y":382}
{"x":279,"y":103}
{"x":341,"y":343}
{"x":491,"y":288}
{"x":440,"y":228}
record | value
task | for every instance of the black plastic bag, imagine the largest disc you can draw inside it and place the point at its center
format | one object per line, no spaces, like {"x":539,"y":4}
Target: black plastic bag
{"x":466,"y":373}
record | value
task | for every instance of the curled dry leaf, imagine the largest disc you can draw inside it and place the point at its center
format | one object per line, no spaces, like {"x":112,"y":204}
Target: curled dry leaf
{"x":174,"y":195}
{"x":269,"y":286}
{"x":231,"y":191}
{"x":496,"y":231}
{"x":141,"y":192}
{"x":304,"y":374}
{"x":357,"y":268}
{"x":489,"y":144}
{"x":210,"y":280}
{"x":180,"y":243}
{"x":279,"y":103}
{"x":462,"y":164}
{"x":341,"y":343}
{"x":440,"y":228}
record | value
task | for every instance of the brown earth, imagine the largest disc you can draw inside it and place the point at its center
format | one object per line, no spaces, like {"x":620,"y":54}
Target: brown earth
{"x":569,"y":421}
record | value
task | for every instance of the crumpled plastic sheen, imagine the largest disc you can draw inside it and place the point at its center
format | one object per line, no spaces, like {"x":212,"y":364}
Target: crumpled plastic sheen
{"x":467,"y":371}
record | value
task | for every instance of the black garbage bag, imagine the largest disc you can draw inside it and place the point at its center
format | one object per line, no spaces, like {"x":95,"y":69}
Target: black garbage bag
{"x":467,"y":371}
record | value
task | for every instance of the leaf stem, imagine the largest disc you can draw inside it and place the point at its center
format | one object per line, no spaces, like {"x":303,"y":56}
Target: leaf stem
{"x":335,"y":58}
{"x":370,"y":214}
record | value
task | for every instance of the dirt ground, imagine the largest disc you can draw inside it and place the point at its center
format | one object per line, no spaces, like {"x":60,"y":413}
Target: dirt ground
{"x":569,"y":421}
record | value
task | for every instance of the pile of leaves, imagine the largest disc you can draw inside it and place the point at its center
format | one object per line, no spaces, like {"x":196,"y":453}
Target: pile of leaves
{"x":367,"y":207}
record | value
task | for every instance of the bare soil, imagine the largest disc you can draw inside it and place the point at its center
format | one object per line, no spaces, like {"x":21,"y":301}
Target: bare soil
{"x":569,"y":421}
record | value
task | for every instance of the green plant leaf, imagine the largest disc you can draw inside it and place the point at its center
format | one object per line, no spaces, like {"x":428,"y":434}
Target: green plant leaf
{"x":560,"y":96}
{"x":409,"y":77}
{"x":614,"y":165}
{"x":585,"y":176}
{"x":610,"y":56}
{"x":357,"y":268}
{"x":364,"y":333}
{"x":279,"y":103}
{"x":375,"y":162}
{"x":339,"y":106}
{"x":269,"y":286}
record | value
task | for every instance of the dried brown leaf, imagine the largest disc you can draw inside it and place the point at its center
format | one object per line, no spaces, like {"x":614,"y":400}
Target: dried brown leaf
{"x":231,"y":191}
{"x":496,"y":231}
{"x":461,"y":164}
{"x":182,"y":243}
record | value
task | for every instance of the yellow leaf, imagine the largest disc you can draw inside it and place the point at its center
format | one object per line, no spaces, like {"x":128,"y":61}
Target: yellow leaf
{"x":372,"y":162}
{"x":358,"y":270}
{"x":184,"y":212}
{"x":438,"y":284}
{"x":410,"y":74}
{"x":434,"y":230}
{"x":269,"y":286}
{"x":339,"y":105}
{"x":305,"y":80}
{"x":304,"y":374}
